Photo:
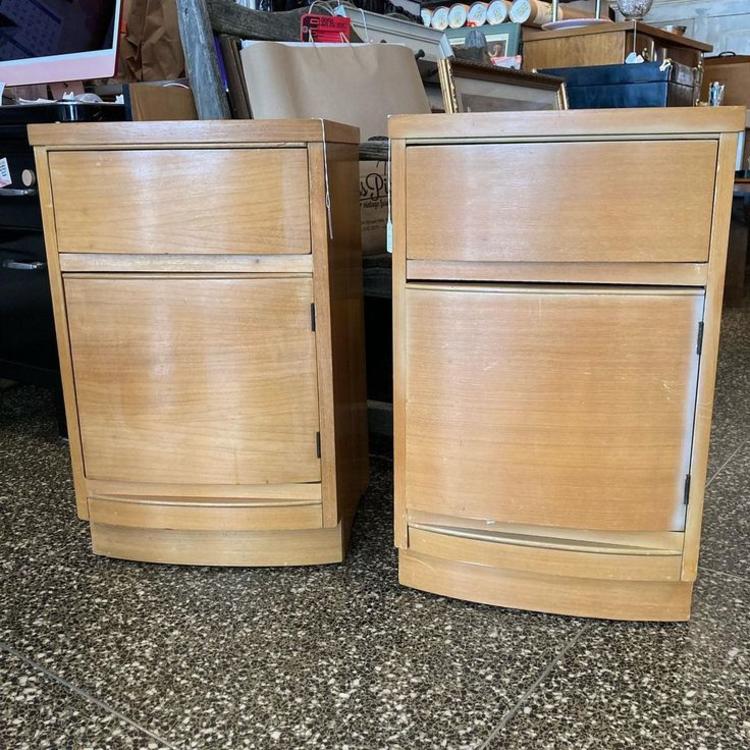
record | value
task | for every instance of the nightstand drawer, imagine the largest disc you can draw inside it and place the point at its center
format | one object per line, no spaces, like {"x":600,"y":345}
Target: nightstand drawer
{"x":593,"y":202}
{"x":251,"y":201}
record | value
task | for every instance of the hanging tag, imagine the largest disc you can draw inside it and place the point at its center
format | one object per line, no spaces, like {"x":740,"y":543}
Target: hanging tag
{"x":5,"y":178}
{"x":389,"y":237}
{"x":325,"y":175}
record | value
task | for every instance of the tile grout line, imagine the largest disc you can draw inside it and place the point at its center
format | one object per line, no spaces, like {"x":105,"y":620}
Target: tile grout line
{"x":556,"y":659}
{"x":81,"y":693}
{"x":726,"y":463}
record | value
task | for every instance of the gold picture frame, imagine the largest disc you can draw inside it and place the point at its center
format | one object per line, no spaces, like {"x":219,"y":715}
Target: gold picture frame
{"x":468,"y":86}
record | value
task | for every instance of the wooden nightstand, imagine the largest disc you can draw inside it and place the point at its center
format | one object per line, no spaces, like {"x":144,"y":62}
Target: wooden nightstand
{"x":608,"y":44}
{"x":557,"y":283}
{"x":210,"y":334}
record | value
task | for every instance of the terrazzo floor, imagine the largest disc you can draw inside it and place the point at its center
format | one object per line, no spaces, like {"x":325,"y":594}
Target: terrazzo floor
{"x":98,"y":653}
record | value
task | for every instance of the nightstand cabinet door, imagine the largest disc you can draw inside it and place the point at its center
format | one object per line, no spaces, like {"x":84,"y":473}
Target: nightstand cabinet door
{"x":202,"y":379}
{"x":560,"y":406}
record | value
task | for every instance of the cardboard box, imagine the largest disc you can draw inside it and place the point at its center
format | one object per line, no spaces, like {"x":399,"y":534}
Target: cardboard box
{"x":373,"y":201}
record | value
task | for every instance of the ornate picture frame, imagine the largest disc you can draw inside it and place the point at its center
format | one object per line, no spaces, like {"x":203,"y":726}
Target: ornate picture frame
{"x":475,"y":87}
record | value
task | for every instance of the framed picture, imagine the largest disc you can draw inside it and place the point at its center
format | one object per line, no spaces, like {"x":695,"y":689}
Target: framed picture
{"x":503,"y":40}
{"x":474,"y":87}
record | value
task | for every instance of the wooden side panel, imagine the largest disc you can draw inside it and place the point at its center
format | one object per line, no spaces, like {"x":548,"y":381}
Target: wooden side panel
{"x":187,"y":201}
{"x":400,"y":351}
{"x":337,"y":257}
{"x":477,"y":202}
{"x":61,"y":330}
{"x":560,"y":407}
{"x":722,"y":209}
{"x":347,"y":328}
{"x":193,"y":380}
{"x":581,"y":597}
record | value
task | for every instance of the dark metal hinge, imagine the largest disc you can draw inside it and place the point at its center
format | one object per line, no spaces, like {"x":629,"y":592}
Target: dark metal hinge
{"x":687,"y":489}
{"x":700,"y":338}
{"x":312,"y":316}
{"x":317,"y":443}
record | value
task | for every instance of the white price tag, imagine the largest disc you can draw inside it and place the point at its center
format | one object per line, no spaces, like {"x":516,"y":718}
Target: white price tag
{"x":2,"y":88}
{"x":4,"y":173}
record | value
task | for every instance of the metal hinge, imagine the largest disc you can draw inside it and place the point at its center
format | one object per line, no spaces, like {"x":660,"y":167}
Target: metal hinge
{"x":700,"y":338}
{"x":687,"y":489}
{"x":312,"y":316}
{"x":317,"y":443}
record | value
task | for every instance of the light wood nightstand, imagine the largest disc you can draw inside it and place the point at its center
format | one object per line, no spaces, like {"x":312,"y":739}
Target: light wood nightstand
{"x":210,"y":335}
{"x":557,"y":286}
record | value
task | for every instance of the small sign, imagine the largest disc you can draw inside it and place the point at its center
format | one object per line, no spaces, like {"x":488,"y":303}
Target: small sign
{"x":5,"y":178}
{"x":325,"y":29}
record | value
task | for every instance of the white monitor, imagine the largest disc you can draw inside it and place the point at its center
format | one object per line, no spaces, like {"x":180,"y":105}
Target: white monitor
{"x":50,"y":41}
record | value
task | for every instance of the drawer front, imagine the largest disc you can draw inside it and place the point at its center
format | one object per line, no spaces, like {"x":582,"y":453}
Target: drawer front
{"x":187,"y":201}
{"x":552,"y":407}
{"x":565,"y":202}
{"x":546,"y":555}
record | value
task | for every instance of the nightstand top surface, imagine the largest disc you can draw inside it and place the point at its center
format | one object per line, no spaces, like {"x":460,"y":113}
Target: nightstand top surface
{"x":579,"y":122}
{"x":187,"y":132}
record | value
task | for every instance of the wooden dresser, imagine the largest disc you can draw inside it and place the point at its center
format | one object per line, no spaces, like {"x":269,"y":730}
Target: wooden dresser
{"x":209,"y":323}
{"x":557,"y":287}
{"x":608,"y":44}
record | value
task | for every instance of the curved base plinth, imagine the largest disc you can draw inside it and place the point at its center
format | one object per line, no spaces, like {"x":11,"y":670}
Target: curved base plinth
{"x":241,"y":548}
{"x":581,"y":597}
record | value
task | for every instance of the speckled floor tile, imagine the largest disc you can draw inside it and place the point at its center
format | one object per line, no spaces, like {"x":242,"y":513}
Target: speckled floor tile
{"x":648,"y":686}
{"x":37,"y":713}
{"x":731,"y":422}
{"x":328,"y":657}
{"x":725,"y":544}
{"x":341,"y":657}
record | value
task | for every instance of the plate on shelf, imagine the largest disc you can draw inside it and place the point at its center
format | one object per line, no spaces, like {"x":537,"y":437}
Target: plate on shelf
{"x":574,"y":23}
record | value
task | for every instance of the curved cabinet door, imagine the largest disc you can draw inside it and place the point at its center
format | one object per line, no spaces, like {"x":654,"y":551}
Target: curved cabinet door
{"x":564,"y":406}
{"x":195,"y":379}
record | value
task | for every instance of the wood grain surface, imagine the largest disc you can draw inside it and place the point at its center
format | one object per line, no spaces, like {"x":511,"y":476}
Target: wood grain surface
{"x":188,"y":547}
{"x":201,"y":380}
{"x":567,"y":595}
{"x":200,"y":133}
{"x":541,"y":558}
{"x":249,"y":201}
{"x":553,"y":406}
{"x":586,"y":202}
{"x":591,"y":125}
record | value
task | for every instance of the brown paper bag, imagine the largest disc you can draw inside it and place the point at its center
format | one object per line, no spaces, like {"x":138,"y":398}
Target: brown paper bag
{"x":150,"y":49}
{"x":357,"y":84}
